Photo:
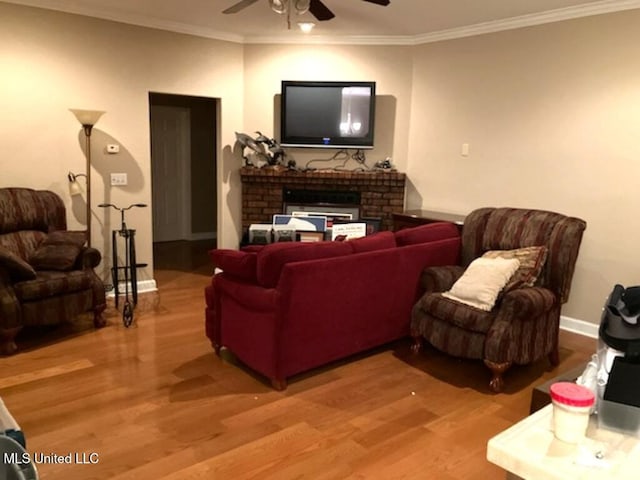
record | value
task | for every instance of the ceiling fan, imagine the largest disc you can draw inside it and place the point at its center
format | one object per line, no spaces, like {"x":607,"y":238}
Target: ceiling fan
{"x":316,"y":7}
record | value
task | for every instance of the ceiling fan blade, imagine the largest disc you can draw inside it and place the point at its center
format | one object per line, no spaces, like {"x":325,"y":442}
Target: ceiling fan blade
{"x":384,"y":3}
{"x":241,"y":5}
{"x":320,"y":11}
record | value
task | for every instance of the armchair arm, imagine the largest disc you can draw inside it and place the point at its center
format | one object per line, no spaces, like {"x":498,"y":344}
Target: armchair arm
{"x":525,"y":326}
{"x":89,"y":258}
{"x":440,"y":279}
{"x":527,"y":303}
{"x":10,"y":310}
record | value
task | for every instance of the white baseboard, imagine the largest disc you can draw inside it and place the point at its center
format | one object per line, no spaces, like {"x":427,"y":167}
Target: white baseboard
{"x":144,"y":286}
{"x":580,"y":327}
{"x":203,"y":236}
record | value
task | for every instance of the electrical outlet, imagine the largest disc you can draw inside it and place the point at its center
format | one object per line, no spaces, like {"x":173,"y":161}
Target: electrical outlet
{"x":118,"y":179}
{"x":464,"y":150}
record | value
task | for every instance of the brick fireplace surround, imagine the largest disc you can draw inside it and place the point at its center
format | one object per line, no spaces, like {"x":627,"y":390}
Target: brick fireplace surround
{"x":381,"y":192}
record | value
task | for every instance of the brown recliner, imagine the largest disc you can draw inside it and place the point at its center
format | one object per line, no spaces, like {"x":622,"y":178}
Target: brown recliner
{"x":46,"y":274}
{"x":523,"y":325}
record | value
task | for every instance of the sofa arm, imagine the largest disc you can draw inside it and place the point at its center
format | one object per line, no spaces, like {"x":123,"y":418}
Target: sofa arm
{"x":440,"y":279}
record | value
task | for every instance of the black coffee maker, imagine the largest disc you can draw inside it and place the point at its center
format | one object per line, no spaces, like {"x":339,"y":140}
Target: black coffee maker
{"x":619,"y":359}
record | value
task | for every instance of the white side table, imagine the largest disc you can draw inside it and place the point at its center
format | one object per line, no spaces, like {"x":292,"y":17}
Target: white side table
{"x":528,"y":450}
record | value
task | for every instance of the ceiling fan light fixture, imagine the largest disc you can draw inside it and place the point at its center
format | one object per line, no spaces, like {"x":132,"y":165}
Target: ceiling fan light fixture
{"x":279,"y":6}
{"x":306,"y":27}
{"x":301,"y":6}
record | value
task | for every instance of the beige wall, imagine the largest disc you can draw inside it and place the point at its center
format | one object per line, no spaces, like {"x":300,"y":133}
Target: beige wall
{"x":552,"y":117}
{"x":550,"y":114}
{"x":50,"y":62}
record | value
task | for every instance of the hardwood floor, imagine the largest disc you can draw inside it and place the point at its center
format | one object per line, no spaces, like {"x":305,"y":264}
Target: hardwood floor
{"x":154,"y":402}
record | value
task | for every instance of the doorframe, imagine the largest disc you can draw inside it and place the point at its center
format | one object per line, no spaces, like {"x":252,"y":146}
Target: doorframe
{"x":213,"y":173}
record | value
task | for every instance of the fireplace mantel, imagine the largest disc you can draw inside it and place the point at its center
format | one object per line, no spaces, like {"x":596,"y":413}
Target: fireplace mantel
{"x":381,"y":192}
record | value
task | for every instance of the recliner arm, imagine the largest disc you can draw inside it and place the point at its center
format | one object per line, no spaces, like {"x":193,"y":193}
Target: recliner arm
{"x":89,"y":258}
{"x":525,"y":328}
{"x":527,"y":302}
{"x":10,"y":309}
{"x":440,"y":279}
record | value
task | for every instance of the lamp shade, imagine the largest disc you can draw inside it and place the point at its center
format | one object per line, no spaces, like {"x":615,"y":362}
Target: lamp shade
{"x":75,"y":188}
{"x":87,"y":117}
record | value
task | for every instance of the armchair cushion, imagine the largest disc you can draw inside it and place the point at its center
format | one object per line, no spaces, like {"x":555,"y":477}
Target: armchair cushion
{"x":58,"y":251}
{"x":18,"y":269}
{"x":51,"y":283}
{"x":457,"y":313}
{"x":532,"y":260}
{"x":482,"y":281}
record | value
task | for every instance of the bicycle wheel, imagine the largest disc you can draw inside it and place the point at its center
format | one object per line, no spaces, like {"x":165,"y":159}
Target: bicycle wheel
{"x":127,"y":314}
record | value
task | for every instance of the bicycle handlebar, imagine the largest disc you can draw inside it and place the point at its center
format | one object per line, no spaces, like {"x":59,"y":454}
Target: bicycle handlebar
{"x":107,"y":205}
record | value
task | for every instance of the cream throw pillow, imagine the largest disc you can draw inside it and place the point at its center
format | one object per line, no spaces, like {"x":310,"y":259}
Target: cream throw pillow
{"x":482,"y":281}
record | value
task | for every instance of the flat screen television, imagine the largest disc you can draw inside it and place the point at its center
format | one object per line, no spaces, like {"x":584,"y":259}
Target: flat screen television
{"x":324,"y":114}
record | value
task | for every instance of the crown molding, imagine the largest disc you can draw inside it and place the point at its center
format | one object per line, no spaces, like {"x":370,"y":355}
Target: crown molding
{"x":558,"y":15}
{"x":303,"y":39}
{"x":568,"y":13}
{"x":131,"y":19}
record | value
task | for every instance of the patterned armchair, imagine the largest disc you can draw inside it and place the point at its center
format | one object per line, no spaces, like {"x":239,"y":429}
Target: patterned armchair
{"x":46,"y":274}
{"x":523,"y":325}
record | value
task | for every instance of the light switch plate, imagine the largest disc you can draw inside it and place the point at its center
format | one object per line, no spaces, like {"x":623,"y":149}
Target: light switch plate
{"x":118,"y":179}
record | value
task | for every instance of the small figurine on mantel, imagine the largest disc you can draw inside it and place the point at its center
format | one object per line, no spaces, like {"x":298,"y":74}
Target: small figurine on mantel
{"x":385,"y":165}
{"x":259,"y":156}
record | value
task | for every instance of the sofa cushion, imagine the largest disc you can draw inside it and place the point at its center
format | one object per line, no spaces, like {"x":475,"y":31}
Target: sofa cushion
{"x":18,"y":269}
{"x":452,"y":311}
{"x":532,"y":260}
{"x":273,"y":257}
{"x":23,"y":242}
{"x":482,"y":281}
{"x":58,"y":251}
{"x":51,"y":283}
{"x":376,"y":241}
{"x":238,"y":264}
{"x":426,"y":233}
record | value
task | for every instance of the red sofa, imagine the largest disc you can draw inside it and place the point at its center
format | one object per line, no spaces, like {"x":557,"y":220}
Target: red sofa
{"x":289,"y":307}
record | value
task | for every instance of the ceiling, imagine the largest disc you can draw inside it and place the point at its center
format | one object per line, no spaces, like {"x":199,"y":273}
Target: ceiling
{"x":402,"y":22}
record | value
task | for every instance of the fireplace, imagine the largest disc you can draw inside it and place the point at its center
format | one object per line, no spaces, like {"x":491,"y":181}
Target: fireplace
{"x":265,"y":191}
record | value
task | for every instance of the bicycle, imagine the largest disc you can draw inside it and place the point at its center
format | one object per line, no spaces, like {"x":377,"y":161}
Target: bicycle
{"x":130,"y":262}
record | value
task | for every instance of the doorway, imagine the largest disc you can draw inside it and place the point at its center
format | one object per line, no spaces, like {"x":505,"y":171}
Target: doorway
{"x":183,"y":180}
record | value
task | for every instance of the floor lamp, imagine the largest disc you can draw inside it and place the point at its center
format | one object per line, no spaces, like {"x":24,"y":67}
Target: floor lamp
{"x":87,"y":118}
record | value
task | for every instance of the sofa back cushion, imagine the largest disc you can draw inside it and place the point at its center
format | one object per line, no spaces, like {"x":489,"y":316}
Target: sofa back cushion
{"x":426,"y":233}
{"x":28,"y":209}
{"x":377,"y":241}
{"x":235,"y":263}
{"x":273,"y":257}
{"x":22,"y":243}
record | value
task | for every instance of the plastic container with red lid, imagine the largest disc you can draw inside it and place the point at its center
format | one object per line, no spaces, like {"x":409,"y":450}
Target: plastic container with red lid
{"x":572,"y":405}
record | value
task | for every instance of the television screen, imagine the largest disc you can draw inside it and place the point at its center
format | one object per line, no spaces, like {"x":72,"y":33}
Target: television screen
{"x":327,"y":114}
